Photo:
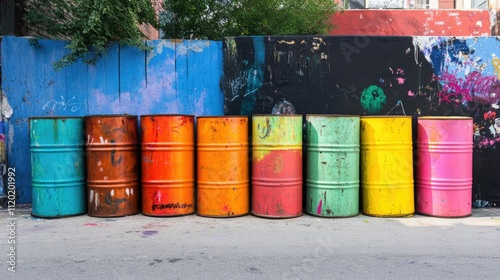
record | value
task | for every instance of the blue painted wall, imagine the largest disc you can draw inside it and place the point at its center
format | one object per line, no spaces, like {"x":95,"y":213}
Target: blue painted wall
{"x":175,"y":77}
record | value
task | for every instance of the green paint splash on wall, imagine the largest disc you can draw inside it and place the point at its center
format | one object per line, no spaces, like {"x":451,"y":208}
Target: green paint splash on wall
{"x":373,"y":99}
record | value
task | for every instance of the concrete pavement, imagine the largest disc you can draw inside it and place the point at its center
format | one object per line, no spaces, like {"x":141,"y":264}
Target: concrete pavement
{"x":193,"y":247}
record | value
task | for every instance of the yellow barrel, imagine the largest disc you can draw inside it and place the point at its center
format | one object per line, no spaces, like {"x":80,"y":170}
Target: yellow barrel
{"x":387,"y":166}
{"x":222,"y":152}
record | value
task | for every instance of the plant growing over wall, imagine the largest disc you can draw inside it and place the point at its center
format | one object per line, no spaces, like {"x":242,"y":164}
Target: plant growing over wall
{"x":91,"y":25}
{"x":215,"y":19}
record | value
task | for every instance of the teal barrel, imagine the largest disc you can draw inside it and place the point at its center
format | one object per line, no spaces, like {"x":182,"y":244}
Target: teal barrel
{"x":332,"y":165}
{"x":57,"y":147}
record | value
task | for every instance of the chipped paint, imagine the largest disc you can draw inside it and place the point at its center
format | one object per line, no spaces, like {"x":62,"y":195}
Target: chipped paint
{"x":159,"y":47}
{"x":291,"y":42}
{"x":5,"y":108}
{"x":316,"y":43}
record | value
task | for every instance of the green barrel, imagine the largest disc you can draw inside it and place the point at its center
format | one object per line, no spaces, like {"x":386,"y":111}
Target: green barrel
{"x":57,"y":147}
{"x":332,"y":165}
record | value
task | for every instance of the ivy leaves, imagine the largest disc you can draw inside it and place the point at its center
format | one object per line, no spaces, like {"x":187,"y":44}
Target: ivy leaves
{"x":91,"y":25}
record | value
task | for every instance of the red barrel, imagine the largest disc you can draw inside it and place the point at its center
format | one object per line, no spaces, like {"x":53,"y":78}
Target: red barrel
{"x":112,"y":166}
{"x":167,"y":153}
{"x":277,"y":166}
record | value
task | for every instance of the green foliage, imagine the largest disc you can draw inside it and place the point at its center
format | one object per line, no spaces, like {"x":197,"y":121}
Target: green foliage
{"x":91,"y":25}
{"x":215,"y":19}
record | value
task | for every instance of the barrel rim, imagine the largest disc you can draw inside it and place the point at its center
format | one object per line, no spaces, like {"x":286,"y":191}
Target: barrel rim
{"x":444,"y":118}
{"x":332,"y":115}
{"x":167,"y":115}
{"x":111,"y":116}
{"x":277,"y":115}
{"x":55,"y":117}
{"x":385,"y":117}
{"x":221,"y":117}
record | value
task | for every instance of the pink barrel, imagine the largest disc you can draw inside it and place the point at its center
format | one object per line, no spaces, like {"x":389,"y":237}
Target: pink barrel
{"x":444,"y":166}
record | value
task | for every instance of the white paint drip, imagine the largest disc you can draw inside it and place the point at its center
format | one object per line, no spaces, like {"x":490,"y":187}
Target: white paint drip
{"x":99,"y":163}
{"x":101,"y":169}
{"x":127,"y":191}
{"x":96,"y":201}
{"x":112,"y":192}
{"x":11,"y":139}
{"x":102,"y":139}
{"x":132,"y":191}
{"x":91,"y":196}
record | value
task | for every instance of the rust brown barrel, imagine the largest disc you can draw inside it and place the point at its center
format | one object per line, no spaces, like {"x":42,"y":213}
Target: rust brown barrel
{"x":112,"y":165}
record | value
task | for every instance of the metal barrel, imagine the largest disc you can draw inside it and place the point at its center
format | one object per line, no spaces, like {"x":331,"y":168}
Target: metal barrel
{"x":444,"y":166}
{"x":167,"y":163}
{"x":57,"y":148}
{"x":112,"y":166}
{"x":387,"y":166}
{"x":277,"y":166}
{"x":332,"y":165}
{"x":222,"y":170}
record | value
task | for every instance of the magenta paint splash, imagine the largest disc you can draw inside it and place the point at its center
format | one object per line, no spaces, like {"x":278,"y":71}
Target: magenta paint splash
{"x":320,"y":205}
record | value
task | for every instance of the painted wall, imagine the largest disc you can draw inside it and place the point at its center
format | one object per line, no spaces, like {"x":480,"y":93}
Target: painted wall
{"x":414,"y":23}
{"x":175,"y":77}
{"x":415,"y":76}
{"x":385,"y":4}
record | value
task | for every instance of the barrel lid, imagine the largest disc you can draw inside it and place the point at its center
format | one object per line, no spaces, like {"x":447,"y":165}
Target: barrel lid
{"x":167,"y":115}
{"x":332,"y":115}
{"x":111,"y":116}
{"x":227,"y":116}
{"x":384,"y":116}
{"x":55,"y":117}
{"x":277,"y":115}
{"x":444,"y":118}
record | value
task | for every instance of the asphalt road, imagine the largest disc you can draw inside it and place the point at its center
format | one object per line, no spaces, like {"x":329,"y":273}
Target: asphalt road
{"x":193,"y":247}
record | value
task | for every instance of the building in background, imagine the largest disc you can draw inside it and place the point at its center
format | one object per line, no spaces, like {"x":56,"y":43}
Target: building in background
{"x":420,"y":4}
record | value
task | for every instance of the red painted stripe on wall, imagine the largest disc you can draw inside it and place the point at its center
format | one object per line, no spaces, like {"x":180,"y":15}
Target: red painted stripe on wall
{"x":412,"y":23}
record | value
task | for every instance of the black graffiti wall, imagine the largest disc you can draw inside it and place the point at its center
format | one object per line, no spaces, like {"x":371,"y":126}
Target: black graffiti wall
{"x":414,"y":76}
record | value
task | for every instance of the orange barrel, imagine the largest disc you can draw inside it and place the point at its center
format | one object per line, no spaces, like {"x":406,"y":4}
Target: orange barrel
{"x":223,"y":179}
{"x":112,"y":165}
{"x":277,"y":166}
{"x":167,"y":146}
